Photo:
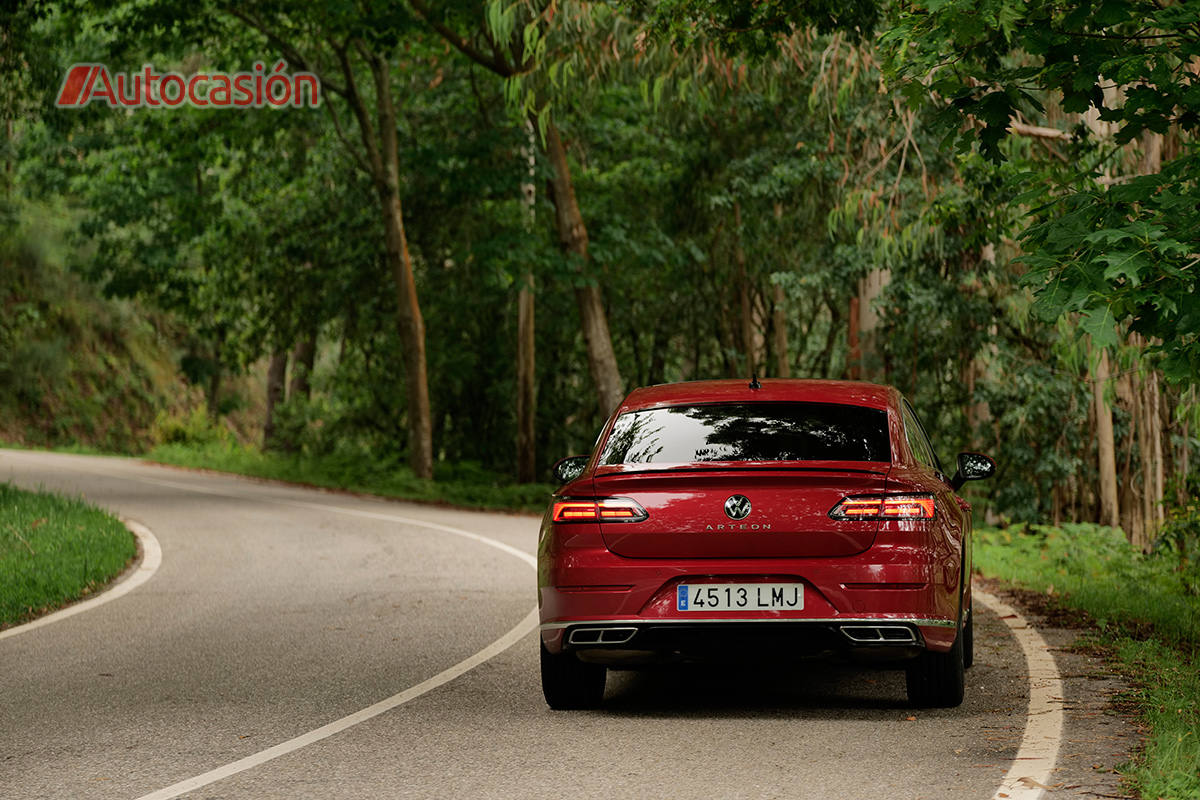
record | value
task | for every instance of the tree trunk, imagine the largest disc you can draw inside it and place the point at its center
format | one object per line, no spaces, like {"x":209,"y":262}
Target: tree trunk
{"x":409,"y":320}
{"x":746,"y":338}
{"x":526,"y":340}
{"x":1109,"y":508}
{"x":276,"y":377}
{"x":870,"y":288}
{"x":853,"y":345}
{"x":1159,"y":433}
{"x":779,"y":331}
{"x":825,"y":359}
{"x":526,"y":384}
{"x":303,"y":358}
{"x":573,"y":238}
{"x":1148,"y":422}
{"x":1141,"y":420}
{"x":1182,"y":459}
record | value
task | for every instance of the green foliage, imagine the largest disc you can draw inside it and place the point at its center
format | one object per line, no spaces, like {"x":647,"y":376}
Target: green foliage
{"x":1180,"y":534}
{"x":1113,"y":248}
{"x":1104,"y":242}
{"x":188,"y":428}
{"x":74,"y":368}
{"x":707,"y":180}
{"x":54,"y":550}
{"x":1095,"y":569}
{"x":753,"y":26}
{"x":1167,"y":690}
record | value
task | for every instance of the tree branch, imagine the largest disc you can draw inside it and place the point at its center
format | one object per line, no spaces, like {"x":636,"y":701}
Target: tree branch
{"x":495,"y":64}
{"x":1037,"y":131}
{"x":358,"y":157}
{"x":289,"y":52}
{"x":365,"y":128}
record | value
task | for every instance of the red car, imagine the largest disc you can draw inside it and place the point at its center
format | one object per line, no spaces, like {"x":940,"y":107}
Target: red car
{"x":728,"y":519}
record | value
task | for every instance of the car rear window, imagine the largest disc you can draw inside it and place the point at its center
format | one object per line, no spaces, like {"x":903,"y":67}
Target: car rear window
{"x":749,"y":432}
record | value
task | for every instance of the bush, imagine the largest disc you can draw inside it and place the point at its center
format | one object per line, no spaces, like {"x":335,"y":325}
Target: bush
{"x":190,"y":428}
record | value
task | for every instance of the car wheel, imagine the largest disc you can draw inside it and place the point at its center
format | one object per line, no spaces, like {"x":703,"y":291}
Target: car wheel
{"x":936,"y":680}
{"x":969,"y":640}
{"x":569,"y":683}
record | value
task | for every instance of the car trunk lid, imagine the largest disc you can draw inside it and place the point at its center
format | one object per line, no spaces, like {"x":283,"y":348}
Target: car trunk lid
{"x":788,"y":513}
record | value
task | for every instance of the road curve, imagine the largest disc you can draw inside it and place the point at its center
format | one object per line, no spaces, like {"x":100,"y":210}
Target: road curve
{"x":278,"y":610}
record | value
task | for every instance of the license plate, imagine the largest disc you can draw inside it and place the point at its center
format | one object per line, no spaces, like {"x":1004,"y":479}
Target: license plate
{"x":739,"y":597}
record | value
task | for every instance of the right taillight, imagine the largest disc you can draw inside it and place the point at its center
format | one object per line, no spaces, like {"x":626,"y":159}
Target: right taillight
{"x":875,"y":507}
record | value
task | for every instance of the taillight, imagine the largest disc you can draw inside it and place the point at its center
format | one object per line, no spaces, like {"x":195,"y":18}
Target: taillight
{"x":897,"y":506}
{"x":606,"y":509}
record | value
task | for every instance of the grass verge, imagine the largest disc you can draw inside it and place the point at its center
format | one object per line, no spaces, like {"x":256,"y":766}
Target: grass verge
{"x":1146,"y":618}
{"x":54,"y":550}
{"x":460,"y":485}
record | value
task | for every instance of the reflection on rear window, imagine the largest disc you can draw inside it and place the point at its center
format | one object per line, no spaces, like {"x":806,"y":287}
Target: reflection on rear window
{"x":749,"y":432}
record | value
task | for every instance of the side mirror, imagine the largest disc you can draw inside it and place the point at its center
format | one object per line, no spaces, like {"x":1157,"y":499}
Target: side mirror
{"x":972,"y":467}
{"x":569,"y":468}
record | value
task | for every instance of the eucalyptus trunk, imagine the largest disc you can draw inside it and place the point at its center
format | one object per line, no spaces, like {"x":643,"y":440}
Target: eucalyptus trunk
{"x":526,"y":384}
{"x":526,"y":330}
{"x":746,"y":337}
{"x":303,"y":359}
{"x":779,"y":331}
{"x":573,"y":239}
{"x":410,"y":322}
{"x":1105,"y":447}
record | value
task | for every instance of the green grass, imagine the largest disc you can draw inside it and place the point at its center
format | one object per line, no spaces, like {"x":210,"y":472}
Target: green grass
{"x":461,"y":485}
{"x":54,"y":550}
{"x":1147,"y":617}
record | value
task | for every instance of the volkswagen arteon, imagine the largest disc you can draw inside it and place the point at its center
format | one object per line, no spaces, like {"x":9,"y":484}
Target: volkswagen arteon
{"x":781,"y":519}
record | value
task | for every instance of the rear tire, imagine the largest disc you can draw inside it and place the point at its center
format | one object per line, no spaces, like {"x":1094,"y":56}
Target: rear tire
{"x":568,"y":683}
{"x":937,"y":680}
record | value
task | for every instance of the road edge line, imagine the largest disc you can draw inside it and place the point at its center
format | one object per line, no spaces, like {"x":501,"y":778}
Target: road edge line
{"x":144,"y":571}
{"x":1030,"y":773}
{"x":514,"y":635}
{"x":494,"y":649}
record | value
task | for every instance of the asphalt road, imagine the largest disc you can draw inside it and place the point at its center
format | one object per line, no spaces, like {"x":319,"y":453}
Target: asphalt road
{"x":278,"y":610}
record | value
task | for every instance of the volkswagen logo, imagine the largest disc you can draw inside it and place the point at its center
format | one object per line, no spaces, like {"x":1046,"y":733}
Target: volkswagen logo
{"x":737,"y":506}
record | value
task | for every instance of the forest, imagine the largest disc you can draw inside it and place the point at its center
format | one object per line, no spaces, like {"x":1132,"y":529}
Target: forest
{"x":499,"y":217}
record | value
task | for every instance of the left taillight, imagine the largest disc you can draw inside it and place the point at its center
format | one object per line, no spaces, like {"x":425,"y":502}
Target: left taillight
{"x":603,"y":509}
{"x":876,"y":507}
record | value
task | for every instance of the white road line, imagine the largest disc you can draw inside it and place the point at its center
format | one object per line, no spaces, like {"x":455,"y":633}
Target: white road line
{"x":522,"y":628}
{"x":1030,"y":773}
{"x":151,"y":559}
{"x":337,"y":726}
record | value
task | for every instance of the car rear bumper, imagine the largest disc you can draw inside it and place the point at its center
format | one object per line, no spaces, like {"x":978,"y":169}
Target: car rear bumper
{"x":910,"y":577}
{"x":840,"y":597}
{"x":639,"y":642}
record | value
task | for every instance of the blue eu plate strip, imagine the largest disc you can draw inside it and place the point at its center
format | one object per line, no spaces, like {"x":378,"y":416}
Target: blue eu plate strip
{"x":682,"y":594}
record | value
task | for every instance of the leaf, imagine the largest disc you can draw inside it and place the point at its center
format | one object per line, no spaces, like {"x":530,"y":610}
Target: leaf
{"x":1101,"y":326}
{"x":1033,"y":784}
{"x":1126,"y":265}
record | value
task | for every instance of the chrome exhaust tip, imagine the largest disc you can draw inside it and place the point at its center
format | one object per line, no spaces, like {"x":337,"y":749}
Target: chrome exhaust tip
{"x":601,"y":635}
{"x":879,"y":634}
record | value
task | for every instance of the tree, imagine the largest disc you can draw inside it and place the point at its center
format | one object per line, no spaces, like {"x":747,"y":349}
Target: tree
{"x":512,"y":42}
{"x":348,"y":43}
{"x":1113,"y":248}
